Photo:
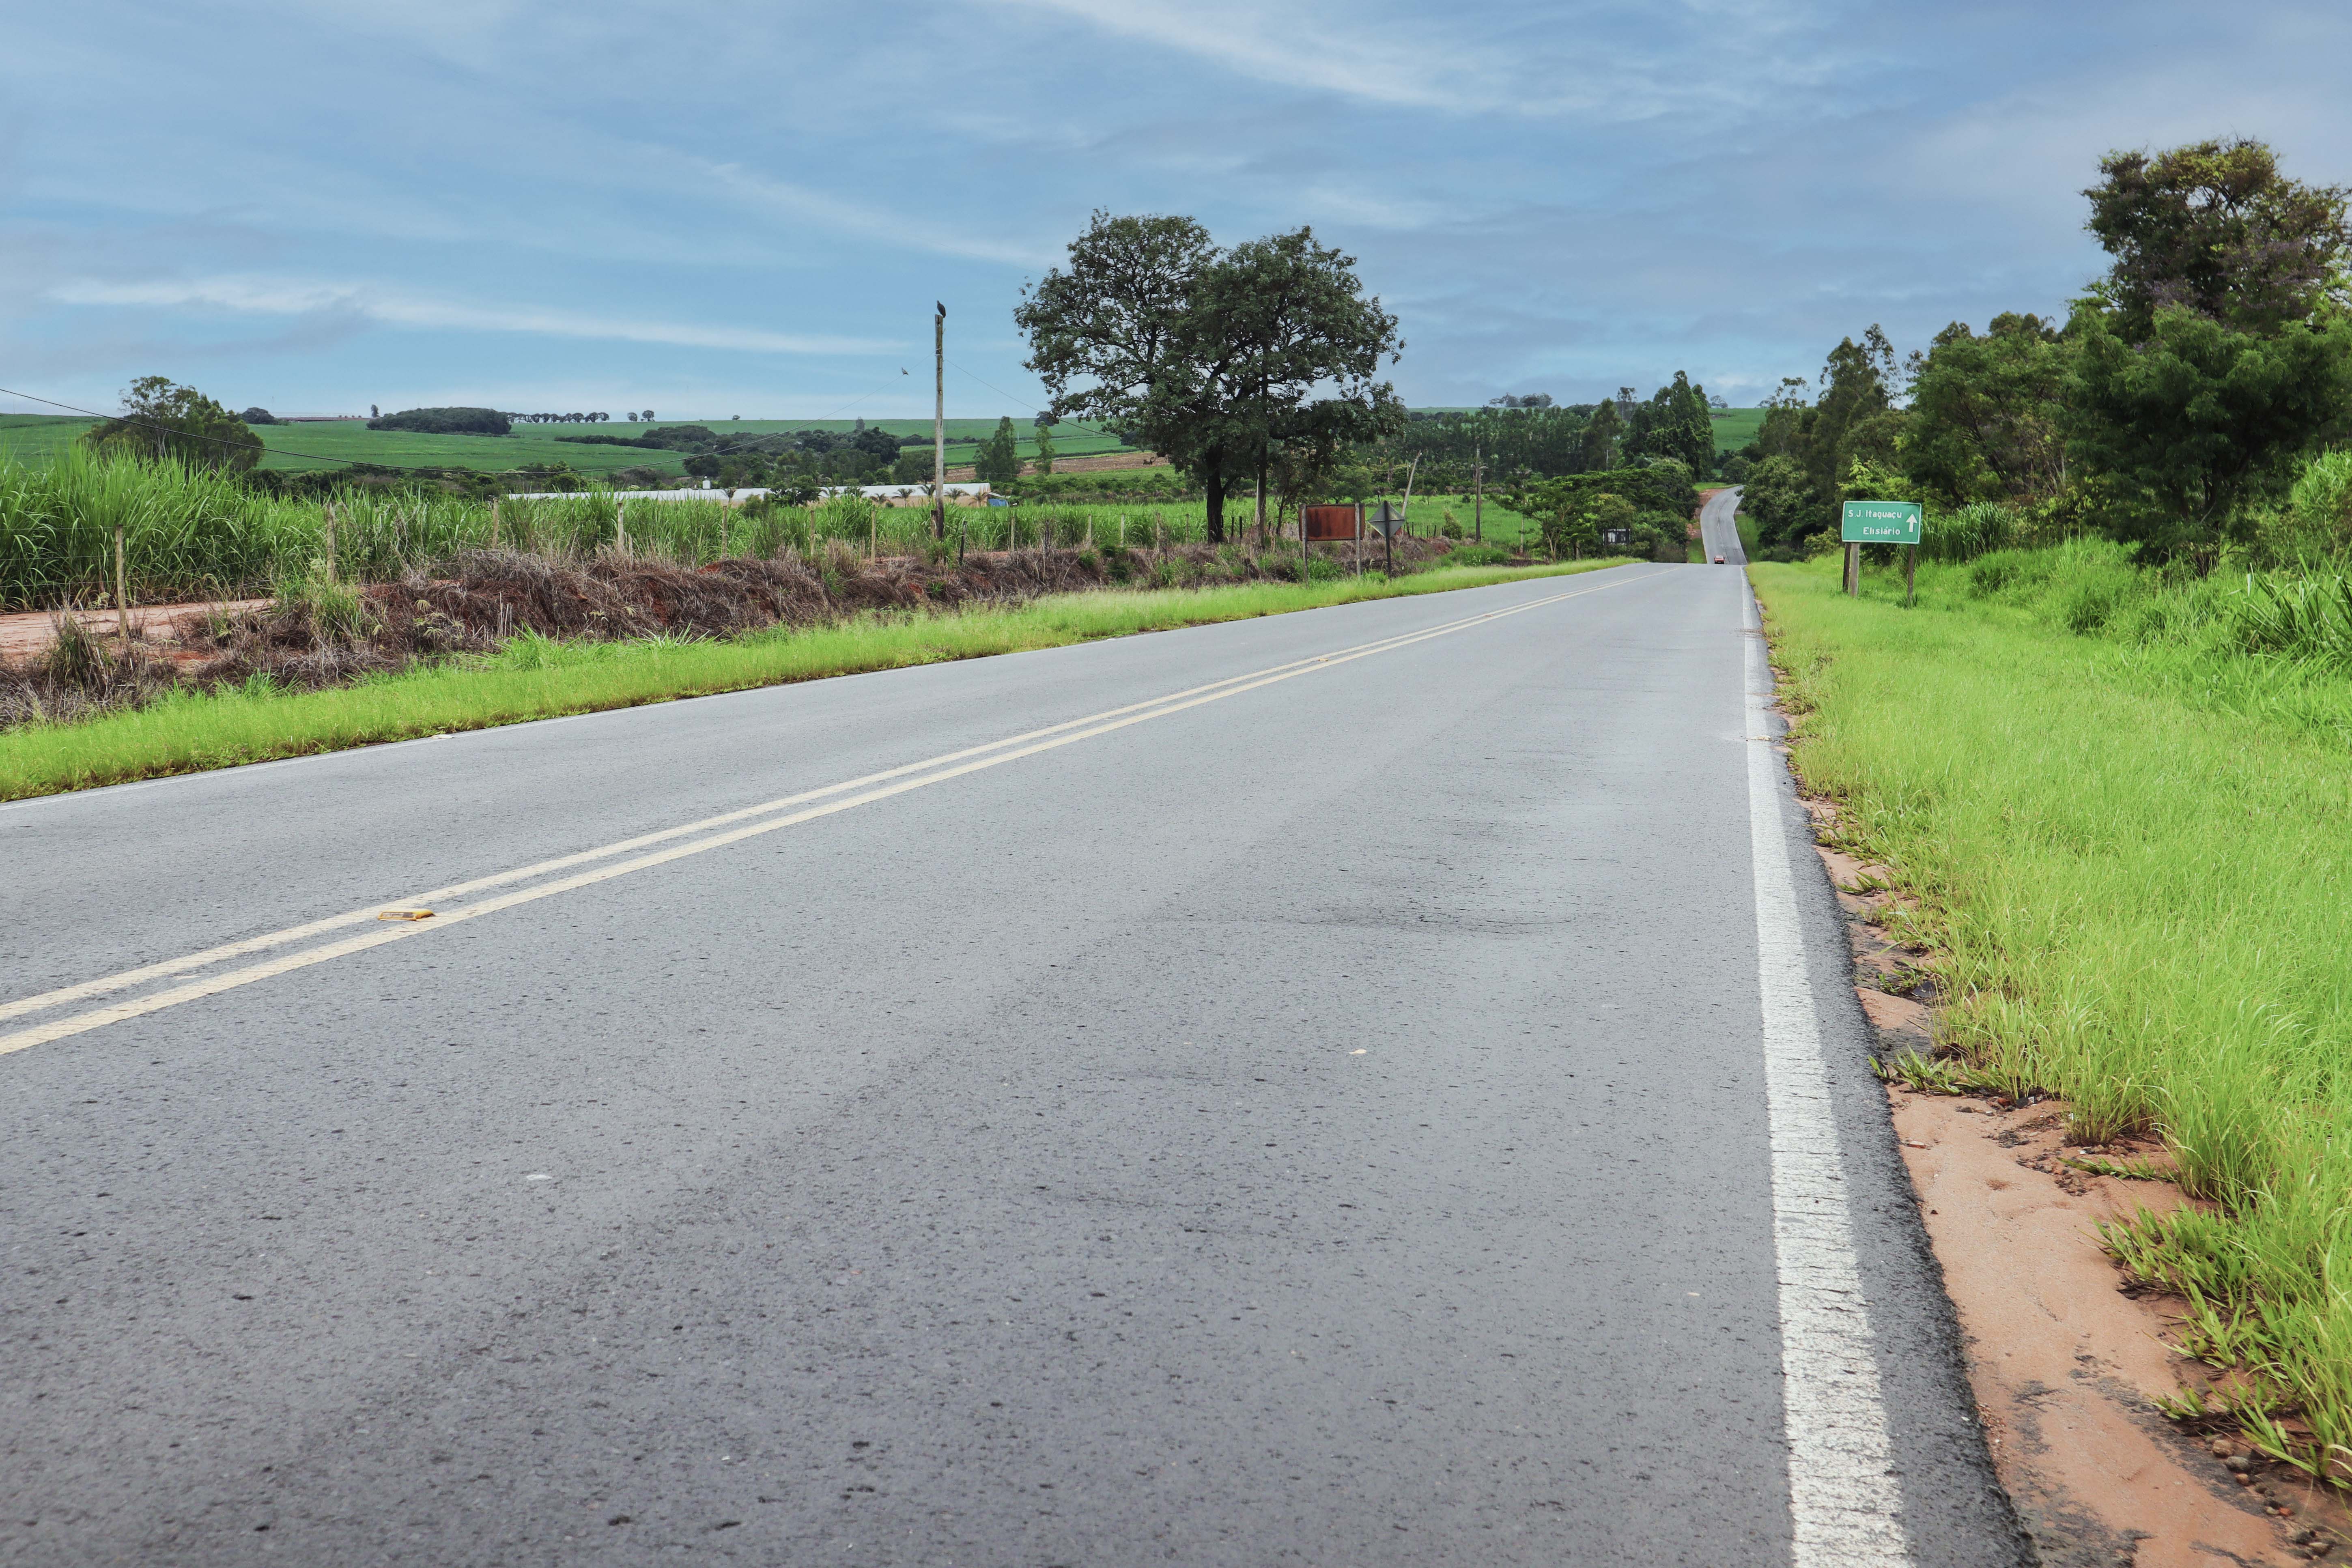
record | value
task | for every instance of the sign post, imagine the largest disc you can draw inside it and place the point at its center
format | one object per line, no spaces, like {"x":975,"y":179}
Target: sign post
{"x":1879,"y":522}
{"x":1385,"y":523}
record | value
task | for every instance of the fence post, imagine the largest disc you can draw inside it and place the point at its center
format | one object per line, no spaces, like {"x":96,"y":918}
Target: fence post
{"x":620,"y":525}
{"x":121,"y":589}
{"x":494,"y":522}
{"x":330,"y":540}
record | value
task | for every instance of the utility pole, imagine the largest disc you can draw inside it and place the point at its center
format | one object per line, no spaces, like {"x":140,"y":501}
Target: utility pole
{"x":1478,"y":513}
{"x":939,"y":423}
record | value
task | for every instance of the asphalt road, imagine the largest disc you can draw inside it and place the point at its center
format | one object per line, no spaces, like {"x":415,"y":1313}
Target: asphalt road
{"x":1325,"y":1120}
{"x":1720,"y":528}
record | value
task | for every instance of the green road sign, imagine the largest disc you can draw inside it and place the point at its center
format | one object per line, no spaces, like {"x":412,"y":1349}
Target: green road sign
{"x":1880,"y":522}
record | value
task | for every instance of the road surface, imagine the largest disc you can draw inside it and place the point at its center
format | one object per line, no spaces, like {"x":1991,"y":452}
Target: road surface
{"x":1384,"y":1089}
{"x":1720,"y":528}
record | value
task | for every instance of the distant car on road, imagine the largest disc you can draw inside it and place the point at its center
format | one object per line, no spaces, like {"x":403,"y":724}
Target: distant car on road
{"x":1719,"y":560}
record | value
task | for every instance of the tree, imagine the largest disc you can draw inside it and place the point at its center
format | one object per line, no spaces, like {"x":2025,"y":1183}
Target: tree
{"x":1784,"y":410}
{"x":2217,"y":348}
{"x":1987,"y":412}
{"x":1045,"y":444}
{"x":1210,"y":356}
{"x":998,"y":461}
{"x":1780,"y":500}
{"x":2184,"y":430}
{"x":1672,"y":422}
{"x":2216,"y":228}
{"x":446,"y":421}
{"x":162,"y":419}
{"x":1601,"y":438}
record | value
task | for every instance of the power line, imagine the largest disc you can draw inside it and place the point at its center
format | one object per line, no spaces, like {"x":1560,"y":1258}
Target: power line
{"x":1001,"y":393}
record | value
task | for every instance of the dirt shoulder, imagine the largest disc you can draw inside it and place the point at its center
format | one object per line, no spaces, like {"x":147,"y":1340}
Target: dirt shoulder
{"x":2066,"y":1356}
{"x":27,"y":633}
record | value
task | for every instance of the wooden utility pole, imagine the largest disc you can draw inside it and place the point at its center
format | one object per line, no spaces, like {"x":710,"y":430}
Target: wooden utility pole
{"x":1479,"y":479}
{"x":939,"y":423}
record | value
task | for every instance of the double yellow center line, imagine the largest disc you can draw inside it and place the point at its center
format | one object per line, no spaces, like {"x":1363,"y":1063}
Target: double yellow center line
{"x":642,"y":853}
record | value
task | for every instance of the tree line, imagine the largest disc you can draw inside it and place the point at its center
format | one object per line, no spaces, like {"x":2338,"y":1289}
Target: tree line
{"x":2169,"y":408}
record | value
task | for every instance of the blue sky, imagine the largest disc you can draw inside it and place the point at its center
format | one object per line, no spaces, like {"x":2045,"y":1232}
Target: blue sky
{"x":712,"y":209}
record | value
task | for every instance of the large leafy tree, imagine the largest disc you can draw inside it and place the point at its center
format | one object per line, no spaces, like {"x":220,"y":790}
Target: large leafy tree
{"x":2216,"y":228}
{"x":2219,"y":347}
{"x":1987,"y":416}
{"x":1220,"y":359}
{"x":162,"y":419}
{"x":2185,"y":429}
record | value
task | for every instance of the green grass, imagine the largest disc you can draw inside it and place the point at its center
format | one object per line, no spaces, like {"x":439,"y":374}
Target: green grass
{"x":2131,"y":839}
{"x":35,"y":437}
{"x":1737,"y":428}
{"x":1502,"y":525}
{"x":534,"y":678}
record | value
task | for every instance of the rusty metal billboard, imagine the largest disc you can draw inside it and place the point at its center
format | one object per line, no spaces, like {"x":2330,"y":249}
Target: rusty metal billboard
{"x":1330,"y":522}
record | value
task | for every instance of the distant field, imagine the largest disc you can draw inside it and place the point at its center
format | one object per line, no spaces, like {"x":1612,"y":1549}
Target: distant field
{"x":30,"y":437}
{"x":1737,"y":428}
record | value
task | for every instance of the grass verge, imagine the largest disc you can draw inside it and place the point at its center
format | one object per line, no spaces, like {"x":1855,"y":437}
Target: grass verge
{"x":535,"y":678}
{"x":2137,"y":873}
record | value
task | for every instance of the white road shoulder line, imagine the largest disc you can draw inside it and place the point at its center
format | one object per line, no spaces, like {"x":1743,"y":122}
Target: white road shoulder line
{"x":1844,"y":1498}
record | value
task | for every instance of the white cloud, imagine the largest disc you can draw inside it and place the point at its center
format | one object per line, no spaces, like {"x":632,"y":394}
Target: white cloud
{"x":902,"y":227}
{"x":1417,"y":69}
{"x":397,"y":308}
{"x":1342,"y":204}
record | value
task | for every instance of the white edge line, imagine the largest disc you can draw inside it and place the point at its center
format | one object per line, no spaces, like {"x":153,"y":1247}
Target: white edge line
{"x":1845,"y":1502}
